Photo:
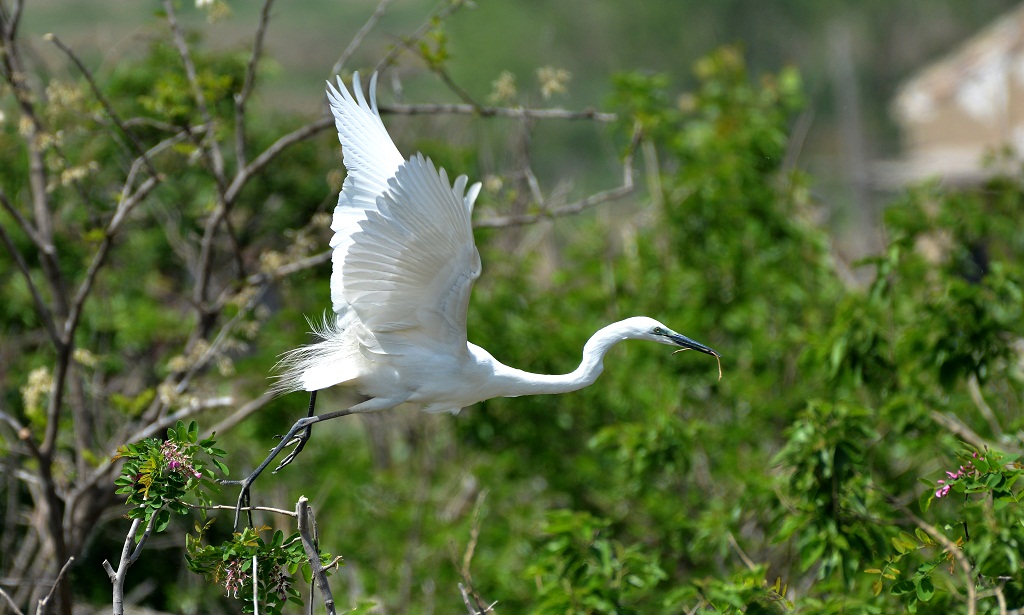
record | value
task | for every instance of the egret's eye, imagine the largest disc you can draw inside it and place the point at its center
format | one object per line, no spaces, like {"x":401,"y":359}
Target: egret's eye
{"x":658,"y":331}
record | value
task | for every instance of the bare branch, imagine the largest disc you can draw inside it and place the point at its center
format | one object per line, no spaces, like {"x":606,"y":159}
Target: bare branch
{"x":44,"y":603}
{"x":37,"y":174}
{"x":15,"y":19}
{"x":156,"y":427}
{"x":25,"y":225}
{"x":296,"y":136}
{"x":307,"y":531}
{"x":132,"y":140}
{"x":511,"y":112}
{"x":444,"y":9}
{"x":455,"y":87}
{"x":242,"y":413}
{"x":357,"y":40}
{"x":573,"y":208}
{"x":117,"y":578}
{"x":216,"y":157}
{"x":276,"y":511}
{"x":986,"y":411}
{"x":250,"y":80}
{"x":146,"y":533}
{"x":962,"y":431}
{"x":44,"y":314}
{"x":10,"y":602}
{"x":290,"y":268}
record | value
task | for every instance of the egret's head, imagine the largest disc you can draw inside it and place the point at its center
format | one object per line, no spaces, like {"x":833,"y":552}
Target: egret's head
{"x":644,"y":328}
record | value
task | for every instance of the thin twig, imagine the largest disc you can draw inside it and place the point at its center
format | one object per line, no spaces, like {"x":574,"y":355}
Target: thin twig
{"x":952,"y":549}
{"x":242,"y":413}
{"x":974,"y":388}
{"x":146,"y":533}
{"x":357,"y":40}
{"x":250,"y":80}
{"x":455,"y":87}
{"x":444,"y":9}
{"x":604,"y":196}
{"x":25,"y":225}
{"x":285,"y":270}
{"x":101,"y":253}
{"x":42,"y":312}
{"x":10,"y":602}
{"x":276,"y":511}
{"x":217,"y":158}
{"x":276,"y":148}
{"x":132,"y":140}
{"x":44,"y":603}
{"x":749,"y":563}
{"x":510,"y":112}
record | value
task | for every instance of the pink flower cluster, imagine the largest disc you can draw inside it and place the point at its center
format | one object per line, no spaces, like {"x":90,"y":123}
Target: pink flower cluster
{"x":234,"y":577}
{"x":280,"y":583}
{"x":944,"y":487}
{"x":178,"y":460}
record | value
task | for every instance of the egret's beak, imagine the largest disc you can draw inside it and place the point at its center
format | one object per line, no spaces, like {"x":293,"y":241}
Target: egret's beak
{"x":686,"y":343}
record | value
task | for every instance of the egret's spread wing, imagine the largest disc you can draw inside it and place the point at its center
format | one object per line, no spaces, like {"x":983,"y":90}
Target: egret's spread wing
{"x":371,"y":159}
{"x":410,"y":268}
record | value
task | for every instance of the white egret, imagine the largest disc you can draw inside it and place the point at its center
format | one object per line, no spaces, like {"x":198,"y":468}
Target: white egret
{"x":404,"y":262}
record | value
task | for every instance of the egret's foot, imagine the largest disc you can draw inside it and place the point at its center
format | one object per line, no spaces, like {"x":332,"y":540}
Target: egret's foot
{"x":300,"y":440}
{"x":243,"y":497}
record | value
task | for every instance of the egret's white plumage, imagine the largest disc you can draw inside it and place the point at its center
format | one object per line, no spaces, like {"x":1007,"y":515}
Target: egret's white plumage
{"x":404,"y":265}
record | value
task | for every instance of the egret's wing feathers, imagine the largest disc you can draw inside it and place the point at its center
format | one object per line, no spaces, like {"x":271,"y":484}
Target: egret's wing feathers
{"x":371,"y":159}
{"x":411,"y":267}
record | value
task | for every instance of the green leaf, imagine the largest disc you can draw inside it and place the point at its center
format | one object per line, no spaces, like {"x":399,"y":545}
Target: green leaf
{"x":923,"y":537}
{"x":163,"y":518}
{"x":925,"y":589}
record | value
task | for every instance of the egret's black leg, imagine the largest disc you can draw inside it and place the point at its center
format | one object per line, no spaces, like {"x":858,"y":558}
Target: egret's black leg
{"x":302,"y":425}
{"x":299,"y":438}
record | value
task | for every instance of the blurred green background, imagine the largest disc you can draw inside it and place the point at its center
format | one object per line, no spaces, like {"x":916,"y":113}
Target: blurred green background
{"x":865,"y":353}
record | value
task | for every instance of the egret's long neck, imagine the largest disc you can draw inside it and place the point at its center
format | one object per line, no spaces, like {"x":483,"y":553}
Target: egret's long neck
{"x":512,"y":382}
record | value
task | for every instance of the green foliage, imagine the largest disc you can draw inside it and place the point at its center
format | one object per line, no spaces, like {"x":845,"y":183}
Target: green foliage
{"x":236,"y":563}
{"x":158,"y":475}
{"x":805,"y":480}
{"x":579,"y":570}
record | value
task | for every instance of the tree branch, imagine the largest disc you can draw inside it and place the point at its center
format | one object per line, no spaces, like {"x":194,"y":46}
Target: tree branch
{"x":216,"y":157}
{"x":276,"y":148}
{"x":357,"y":40}
{"x":573,"y":208}
{"x":444,"y":9}
{"x":107,"y":107}
{"x":44,"y":314}
{"x":952,"y":549}
{"x":307,"y":531}
{"x":45,"y":602}
{"x":250,"y":80}
{"x":510,"y":112}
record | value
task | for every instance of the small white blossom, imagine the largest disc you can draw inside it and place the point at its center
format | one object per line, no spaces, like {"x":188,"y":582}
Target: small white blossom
{"x":552,"y":80}
{"x":504,"y":87}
